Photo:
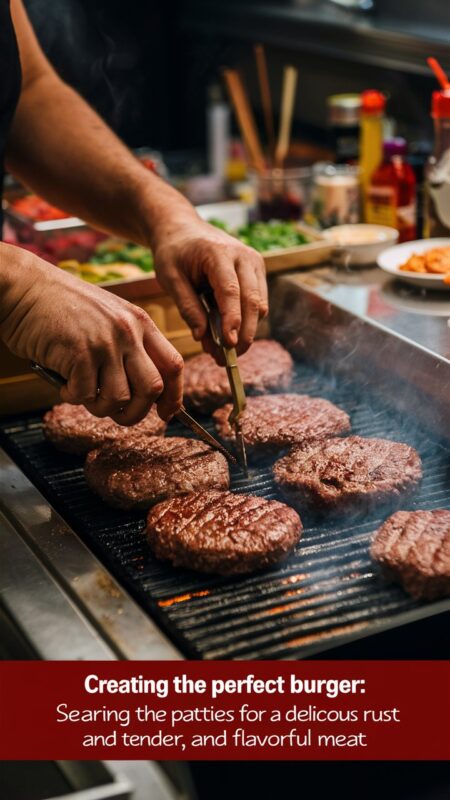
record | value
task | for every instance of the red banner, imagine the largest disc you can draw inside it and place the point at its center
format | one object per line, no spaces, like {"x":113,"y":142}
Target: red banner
{"x":330,"y":710}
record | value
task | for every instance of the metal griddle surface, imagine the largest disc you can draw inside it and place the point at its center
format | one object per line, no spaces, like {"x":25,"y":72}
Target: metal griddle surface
{"x":327,"y":589}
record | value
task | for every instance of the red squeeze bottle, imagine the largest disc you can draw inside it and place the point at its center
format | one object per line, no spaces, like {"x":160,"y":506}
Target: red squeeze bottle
{"x":391,"y":195}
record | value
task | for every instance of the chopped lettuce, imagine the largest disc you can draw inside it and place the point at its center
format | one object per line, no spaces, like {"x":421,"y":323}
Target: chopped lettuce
{"x":264,"y":236}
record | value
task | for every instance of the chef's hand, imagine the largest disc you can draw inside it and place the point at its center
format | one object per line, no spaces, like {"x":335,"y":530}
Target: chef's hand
{"x":189,"y":254}
{"x":114,"y":359}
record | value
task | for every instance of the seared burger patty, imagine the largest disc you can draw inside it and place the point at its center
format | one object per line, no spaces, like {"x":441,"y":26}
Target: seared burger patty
{"x":273,"y":422}
{"x":265,"y":366}
{"x":352,"y":474}
{"x":222,"y":532}
{"x":413,"y":549}
{"x":74,"y":430}
{"x":150,"y":470}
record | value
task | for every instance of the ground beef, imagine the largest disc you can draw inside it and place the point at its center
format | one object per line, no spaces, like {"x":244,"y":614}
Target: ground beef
{"x":152,"y":470}
{"x":347,"y":475}
{"x":273,"y":422}
{"x":74,"y":430}
{"x":222,"y":532}
{"x":264,"y":367}
{"x":413,"y":549}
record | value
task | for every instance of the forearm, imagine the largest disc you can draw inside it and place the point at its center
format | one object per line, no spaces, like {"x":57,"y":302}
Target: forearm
{"x":16,"y":278}
{"x":60,"y":148}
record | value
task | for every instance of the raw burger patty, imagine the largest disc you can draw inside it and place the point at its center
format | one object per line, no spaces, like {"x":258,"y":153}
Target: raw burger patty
{"x":265,"y":366}
{"x":413,"y":549}
{"x":276,"y":421}
{"x":153,"y":469}
{"x":347,"y":475}
{"x":74,"y":430}
{"x":222,"y":532}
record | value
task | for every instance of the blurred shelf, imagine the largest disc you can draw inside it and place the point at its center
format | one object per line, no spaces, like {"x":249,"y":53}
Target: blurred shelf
{"x":317,"y":26}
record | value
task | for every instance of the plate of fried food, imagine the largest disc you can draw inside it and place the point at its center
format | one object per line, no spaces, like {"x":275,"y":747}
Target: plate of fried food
{"x":424,"y":263}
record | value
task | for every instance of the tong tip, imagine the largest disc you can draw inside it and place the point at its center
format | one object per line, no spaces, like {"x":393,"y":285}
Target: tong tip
{"x":242,"y":453}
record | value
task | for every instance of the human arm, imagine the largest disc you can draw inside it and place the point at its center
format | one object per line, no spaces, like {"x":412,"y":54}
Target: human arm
{"x":60,"y":148}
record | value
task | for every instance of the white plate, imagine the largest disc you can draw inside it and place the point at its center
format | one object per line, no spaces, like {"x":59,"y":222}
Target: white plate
{"x":392,"y":259}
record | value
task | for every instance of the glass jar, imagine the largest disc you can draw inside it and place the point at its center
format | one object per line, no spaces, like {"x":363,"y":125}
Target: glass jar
{"x":336,"y":195}
{"x":282,"y":194}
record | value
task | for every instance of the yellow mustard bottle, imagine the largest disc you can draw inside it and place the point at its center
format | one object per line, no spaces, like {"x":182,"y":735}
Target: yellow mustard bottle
{"x":373,"y":104}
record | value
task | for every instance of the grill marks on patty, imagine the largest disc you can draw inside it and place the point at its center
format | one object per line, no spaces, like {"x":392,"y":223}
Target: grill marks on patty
{"x":150,"y":471}
{"x":413,"y":549}
{"x":273,"y":422}
{"x":198,"y":524}
{"x":264,"y":367}
{"x":351,"y":474}
{"x":222,"y":532}
{"x":73,"y":429}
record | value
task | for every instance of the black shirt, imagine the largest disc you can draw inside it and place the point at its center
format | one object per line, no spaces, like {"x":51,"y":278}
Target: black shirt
{"x":10,"y":80}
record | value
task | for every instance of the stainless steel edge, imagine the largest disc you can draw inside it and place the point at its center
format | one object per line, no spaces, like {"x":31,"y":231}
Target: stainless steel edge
{"x":123,"y":780}
{"x":47,"y":619}
{"x":111,"y":791}
{"x":317,"y":329}
{"x":123,"y":626}
{"x":169,"y":780}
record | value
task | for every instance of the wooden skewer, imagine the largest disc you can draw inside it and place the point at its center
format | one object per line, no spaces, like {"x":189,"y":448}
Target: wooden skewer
{"x":245,"y":119}
{"x":266,"y":97}
{"x":287,"y":107}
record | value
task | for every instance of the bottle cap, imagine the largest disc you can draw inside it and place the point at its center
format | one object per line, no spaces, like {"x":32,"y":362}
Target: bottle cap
{"x":396,"y":146}
{"x":344,"y":110}
{"x":440,"y":104}
{"x":372,"y":102}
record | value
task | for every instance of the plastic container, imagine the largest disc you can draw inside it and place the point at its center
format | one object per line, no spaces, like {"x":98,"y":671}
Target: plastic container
{"x":54,"y":240}
{"x":391,"y":194}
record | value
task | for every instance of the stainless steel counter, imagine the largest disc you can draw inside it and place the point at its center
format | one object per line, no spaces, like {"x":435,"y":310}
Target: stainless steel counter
{"x":420,"y":316}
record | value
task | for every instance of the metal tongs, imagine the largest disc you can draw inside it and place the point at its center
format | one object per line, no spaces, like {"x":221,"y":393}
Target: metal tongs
{"x":182,"y":415}
{"x":234,"y":376}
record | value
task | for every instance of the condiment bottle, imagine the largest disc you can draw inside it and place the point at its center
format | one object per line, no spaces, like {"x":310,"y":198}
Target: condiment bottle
{"x":373,"y":104}
{"x":437,"y":185}
{"x":344,"y":111}
{"x":391,"y":194}
{"x":218,"y":124}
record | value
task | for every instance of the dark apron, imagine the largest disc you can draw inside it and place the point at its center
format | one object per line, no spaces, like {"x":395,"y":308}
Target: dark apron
{"x":10,"y":78}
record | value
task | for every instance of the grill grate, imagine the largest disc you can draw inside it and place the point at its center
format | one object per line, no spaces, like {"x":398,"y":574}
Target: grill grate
{"x":327,"y":588}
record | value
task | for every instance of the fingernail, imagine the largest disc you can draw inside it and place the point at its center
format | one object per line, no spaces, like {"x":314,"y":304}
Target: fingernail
{"x":197,"y":334}
{"x":234,"y":337}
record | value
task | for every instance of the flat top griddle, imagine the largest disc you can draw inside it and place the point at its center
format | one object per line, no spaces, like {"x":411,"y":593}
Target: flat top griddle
{"x":327,"y":590}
